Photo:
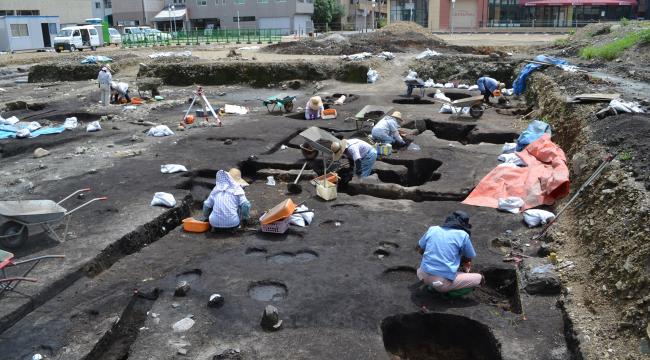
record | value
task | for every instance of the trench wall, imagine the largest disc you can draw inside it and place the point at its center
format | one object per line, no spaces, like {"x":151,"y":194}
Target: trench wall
{"x":610,"y":218}
{"x":254,"y":73}
{"x":65,"y":71}
{"x":465,"y":69}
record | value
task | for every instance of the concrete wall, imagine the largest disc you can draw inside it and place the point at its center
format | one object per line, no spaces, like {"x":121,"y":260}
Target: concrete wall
{"x":68,"y":11}
{"x":227,"y":12}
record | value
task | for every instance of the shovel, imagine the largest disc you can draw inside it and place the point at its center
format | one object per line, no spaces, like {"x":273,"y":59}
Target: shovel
{"x":294,"y":187}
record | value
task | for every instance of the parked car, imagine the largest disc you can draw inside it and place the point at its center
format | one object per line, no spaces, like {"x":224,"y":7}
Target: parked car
{"x":132,"y":33}
{"x":115,"y":37}
{"x":76,"y":38}
{"x":156,"y":35}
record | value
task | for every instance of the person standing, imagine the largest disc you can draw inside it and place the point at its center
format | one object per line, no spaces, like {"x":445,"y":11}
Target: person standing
{"x":104,"y":79}
{"x":362,"y":154}
{"x":445,"y":249}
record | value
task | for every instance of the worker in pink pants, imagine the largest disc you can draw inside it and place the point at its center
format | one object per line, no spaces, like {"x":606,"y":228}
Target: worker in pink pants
{"x":447,"y":252}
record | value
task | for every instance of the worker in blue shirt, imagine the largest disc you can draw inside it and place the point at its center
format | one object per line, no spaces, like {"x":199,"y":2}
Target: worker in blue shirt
{"x":488,"y":86}
{"x":445,"y":249}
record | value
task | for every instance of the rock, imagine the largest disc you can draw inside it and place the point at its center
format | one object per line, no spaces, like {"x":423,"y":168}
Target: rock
{"x":182,"y":288}
{"x":494,"y":56}
{"x":227,"y":142}
{"x":92,"y":171}
{"x":544,"y":250}
{"x":115,"y":128}
{"x":222,"y":94}
{"x":183,"y":325}
{"x":79,"y":150}
{"x":229,"y":354}
{"x":271,"y":319}
{"x":175,"y":305}
{"x":644,"y":346}
{"x":182,"y":351}
{"x":128,"y":153}
{"x":216,"y":301}
{"x":180,"y":128}
{"x":542,"y":279}
{"x":136,"y":138}
{"x":103,"y":118}
{"x":40,"y":152}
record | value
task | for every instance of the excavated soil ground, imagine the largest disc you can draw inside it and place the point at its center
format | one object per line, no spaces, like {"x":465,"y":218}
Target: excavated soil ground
{"x":345,"y":286}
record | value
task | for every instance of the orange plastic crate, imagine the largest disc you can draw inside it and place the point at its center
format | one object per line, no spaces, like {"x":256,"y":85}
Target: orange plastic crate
{"x":193,"y":225}
{"x":278,"y":212}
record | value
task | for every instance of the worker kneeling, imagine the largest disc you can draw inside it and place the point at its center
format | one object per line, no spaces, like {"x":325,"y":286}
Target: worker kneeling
{"x":314,"y":108}
{"x":444,"y":250}
{"x":386,"y":131}
{"x":489,"y":87}
{"x":120,"y":93}
{"x":227,"y":206}
{"x":362,"y":154}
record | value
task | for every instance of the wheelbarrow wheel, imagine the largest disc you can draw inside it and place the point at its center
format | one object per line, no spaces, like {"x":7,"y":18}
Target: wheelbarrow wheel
{"x":288,"y":107}
{"x":14,"y":235}
{"x":476,"y":111}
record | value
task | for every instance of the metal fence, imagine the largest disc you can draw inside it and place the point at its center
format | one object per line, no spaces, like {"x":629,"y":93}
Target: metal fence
{"x":206,"y":36}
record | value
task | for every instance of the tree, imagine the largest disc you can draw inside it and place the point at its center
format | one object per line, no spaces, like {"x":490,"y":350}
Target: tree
{"x":326,"y":12}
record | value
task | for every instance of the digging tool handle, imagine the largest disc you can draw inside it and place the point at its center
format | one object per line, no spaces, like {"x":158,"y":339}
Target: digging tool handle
{"x":300,"y":173}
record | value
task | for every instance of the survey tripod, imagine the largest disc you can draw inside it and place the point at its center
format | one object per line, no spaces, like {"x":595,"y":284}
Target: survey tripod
{"x":199,"y":94}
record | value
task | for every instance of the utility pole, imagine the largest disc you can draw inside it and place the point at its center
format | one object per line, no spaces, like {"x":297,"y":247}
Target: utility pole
{"x":169,"y":9}
{"x":451,"y":20}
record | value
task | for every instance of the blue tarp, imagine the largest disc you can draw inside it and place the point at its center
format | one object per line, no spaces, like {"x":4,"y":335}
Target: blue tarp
{"x":9,"y":131}
{"x":92,"y":59}
{"x":534,"y":131}
{"x":520,"y":83}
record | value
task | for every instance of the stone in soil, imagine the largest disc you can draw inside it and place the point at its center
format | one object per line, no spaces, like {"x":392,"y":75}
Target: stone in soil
{"x":271,"y":319}
{"x":182,"y":288}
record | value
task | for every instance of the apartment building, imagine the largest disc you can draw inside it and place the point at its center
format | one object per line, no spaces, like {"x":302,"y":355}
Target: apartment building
{"x":103,"y":9}
{"x":68,"y":11}
{"x":360,"y":14}
{"x":135,"y":12}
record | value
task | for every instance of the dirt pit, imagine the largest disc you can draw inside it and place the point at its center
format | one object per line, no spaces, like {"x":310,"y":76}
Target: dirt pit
{"x":267,"y":290}
{"x":437,"y":336}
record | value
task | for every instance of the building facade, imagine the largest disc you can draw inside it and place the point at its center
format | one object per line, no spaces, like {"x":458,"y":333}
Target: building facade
{"x":361,"y":14}
{"x":440,"y":15}
{"x":135,"y":12}
{"x":103,"y":9}
{"x":68,"y":11}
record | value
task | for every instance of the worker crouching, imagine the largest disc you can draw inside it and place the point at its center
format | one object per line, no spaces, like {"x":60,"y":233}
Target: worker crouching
{"x":447,"y":252}
{"x":227,"y":207}
{"x":489,"y":87}
{"x":314,"y":108}
{"x":120,"y":93}
{"x":387,"y":130}
{"x":361,"y":154}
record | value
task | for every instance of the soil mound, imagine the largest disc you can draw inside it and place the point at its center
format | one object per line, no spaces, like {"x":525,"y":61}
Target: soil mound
{"x":399,"y":37}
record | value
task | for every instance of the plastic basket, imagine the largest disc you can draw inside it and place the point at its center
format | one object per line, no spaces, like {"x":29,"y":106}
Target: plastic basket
{"x":193,"y":225}
{"x":277,"y":227}
{"x":326,"y":190}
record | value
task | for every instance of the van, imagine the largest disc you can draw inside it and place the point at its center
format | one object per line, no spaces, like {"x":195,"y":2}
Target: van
{"x":77,"y":38}
{"x":132,"y":33}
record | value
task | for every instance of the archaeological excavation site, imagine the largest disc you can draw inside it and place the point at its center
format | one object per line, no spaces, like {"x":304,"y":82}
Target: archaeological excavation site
{"x":382,"y":195}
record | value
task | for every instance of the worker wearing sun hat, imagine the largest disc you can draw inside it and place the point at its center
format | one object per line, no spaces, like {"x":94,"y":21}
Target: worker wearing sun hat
{"x":361,"y":154}
{"x":236,"y":175}
{"x":488,"y":87}
{"x":386,"y":130}
{"x":314,"y":108}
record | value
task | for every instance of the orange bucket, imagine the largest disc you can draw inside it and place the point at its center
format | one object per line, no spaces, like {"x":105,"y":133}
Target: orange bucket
{"x":136,"y":101}
{"x":195,"y":226}
{"x":280,"y":211}
{"x":189,"y":119}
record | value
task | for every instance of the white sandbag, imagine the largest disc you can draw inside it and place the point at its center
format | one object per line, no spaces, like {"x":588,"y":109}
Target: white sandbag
{"x":163,"y":199}
{"x":537,"y":217}
{"x":235,"y":109}
{"x":438,"y":85}
{"x":302,"y":219}
{"x":33,"y":126}
{"x":625,"y":106}
{"x":511,"y":158}
{"x":463,"y":86}
{"x":511,"y":204}
{"x":372,"y":75}
{"x":441,"y":96}
{"x":340,"y":100}
{"x":10,"y":121}
{"x":70,"y":123}
{"x":447,"y":109}
{"x":508,"y":148}
{"x":472,"y":88}
{"x":23,"y":133}
{"x":427,"y":54}
{"x":449,"y":85}
{"x":412,"y":75}
{"x":93,"y":126}
{"x":429,"y":83}
{"x":387,"y":55}
{"x":160,"y":130}
{"x":172,"y":168}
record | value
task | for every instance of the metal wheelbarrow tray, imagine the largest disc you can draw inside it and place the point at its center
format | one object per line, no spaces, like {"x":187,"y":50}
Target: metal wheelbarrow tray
{"x":279,"y":102}
{"x":23,"y":213}
{"x":475,"y":104}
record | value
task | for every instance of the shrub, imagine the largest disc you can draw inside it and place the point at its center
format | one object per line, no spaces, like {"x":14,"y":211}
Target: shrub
{"x":614,"y":49}
{"x":625,"y":21}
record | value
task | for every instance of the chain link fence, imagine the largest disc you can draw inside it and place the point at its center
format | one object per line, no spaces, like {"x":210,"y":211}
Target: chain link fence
{"x":205,"y":37}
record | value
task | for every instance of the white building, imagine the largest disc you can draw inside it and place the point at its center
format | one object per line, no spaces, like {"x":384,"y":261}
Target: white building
{"x":27,"y":32}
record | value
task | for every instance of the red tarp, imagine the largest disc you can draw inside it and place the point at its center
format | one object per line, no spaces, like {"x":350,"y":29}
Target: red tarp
{"x":544,"y":180}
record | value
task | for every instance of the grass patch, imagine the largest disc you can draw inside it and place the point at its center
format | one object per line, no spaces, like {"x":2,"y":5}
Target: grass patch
{"x":614,"y":49}
{"x":625,"y":156}
{"x":561,"y":42}
{"x":625,"y":21}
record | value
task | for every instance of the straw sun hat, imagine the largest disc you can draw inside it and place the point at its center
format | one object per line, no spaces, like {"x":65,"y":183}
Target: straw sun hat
{"x":315,"y":103}
{"x":338,"y":147}
{"x":236,"y":175}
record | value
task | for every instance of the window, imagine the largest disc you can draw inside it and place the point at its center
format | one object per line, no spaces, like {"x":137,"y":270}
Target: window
{"x":52,"y":28}
{"x":93,"y":32}
{"x":244,"y":18}
{"x":19,"y":30}
{"x":108,"y":4}
{"x":239,"y":2}
{"x":6,"y":12}
{"x":98,"y":5}
{"x":28,"y":12}
{"x":179,"y":2}
{"x":202,"y":2}
{"x":262,"y":1}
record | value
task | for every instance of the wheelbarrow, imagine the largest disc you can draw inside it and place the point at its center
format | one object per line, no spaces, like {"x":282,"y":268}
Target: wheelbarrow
{"x":475,"y":104}
{"x":278,"y":103}
{"x":9,"y":283}
{"x":21,"y":214}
